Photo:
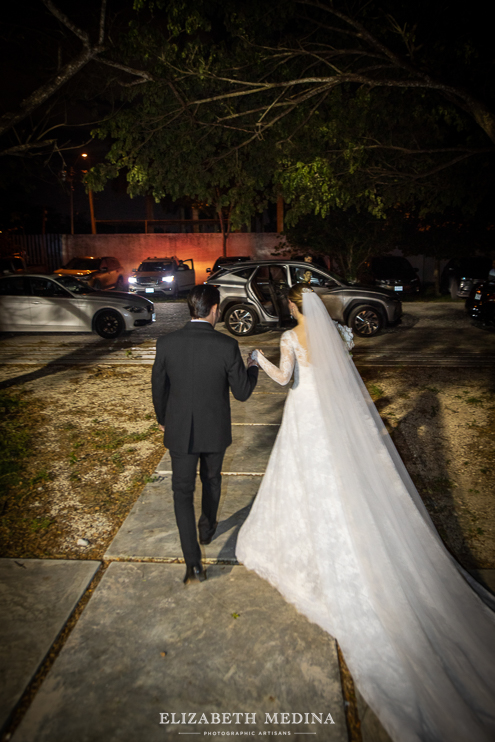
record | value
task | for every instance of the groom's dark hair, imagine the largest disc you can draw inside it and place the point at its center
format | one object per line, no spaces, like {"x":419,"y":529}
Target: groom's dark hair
{"x":201,"y":299}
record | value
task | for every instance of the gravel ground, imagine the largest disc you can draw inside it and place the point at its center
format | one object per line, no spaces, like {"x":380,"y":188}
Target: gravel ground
{"x":95,"y":443}
{"x":443,"y":423}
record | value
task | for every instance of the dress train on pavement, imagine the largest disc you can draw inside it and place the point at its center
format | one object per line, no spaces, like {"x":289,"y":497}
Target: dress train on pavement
{"x":340,"y":530}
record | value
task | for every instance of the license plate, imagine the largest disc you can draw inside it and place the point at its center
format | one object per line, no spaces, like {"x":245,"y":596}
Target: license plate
{"x":477,"y":296}
{"x":153,"y":317}
{"x":149,"y":291}
{"x":398,"y":288}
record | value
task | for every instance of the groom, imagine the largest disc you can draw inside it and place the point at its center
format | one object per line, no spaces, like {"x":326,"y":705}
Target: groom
{"x":193,"y":371}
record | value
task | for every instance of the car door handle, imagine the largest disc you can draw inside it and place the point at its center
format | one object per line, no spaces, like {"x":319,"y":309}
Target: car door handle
{"x":36,"y":302}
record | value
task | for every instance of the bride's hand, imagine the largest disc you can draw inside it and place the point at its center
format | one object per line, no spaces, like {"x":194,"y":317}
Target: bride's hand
{"x":251,"y":359}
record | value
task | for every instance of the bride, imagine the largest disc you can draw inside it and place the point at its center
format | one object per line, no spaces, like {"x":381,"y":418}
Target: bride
{"x":339,"y":528}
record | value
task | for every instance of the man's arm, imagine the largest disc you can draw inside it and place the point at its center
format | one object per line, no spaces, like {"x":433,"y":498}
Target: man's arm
{"x":160,"y":385}
{"x":242,"y":381}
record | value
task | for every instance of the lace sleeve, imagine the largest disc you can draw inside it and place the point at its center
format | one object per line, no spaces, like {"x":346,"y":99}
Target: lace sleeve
{"x":281,"y":375}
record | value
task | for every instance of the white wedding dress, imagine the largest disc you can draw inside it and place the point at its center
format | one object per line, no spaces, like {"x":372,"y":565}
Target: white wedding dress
{"x":340,"y":530}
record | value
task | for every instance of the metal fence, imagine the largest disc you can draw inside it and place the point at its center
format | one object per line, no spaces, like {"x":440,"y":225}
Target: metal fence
{"x":39,"y":249}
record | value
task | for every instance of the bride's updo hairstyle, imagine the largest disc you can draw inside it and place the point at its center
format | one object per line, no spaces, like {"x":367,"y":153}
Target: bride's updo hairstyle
{"x":296,"y":294}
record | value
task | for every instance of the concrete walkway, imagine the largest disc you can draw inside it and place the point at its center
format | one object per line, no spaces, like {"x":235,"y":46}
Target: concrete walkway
{"x":149,"y":658}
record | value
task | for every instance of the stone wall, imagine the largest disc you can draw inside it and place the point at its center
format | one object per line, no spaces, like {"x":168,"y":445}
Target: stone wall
{"x":204,"y":249}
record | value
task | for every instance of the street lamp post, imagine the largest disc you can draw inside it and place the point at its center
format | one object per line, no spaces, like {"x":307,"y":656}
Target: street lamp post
{"x":69,"y":176}
{"x":91,"y":204}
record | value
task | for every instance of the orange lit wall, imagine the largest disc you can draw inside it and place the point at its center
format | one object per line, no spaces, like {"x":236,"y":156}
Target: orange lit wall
{"x":204,"y":249}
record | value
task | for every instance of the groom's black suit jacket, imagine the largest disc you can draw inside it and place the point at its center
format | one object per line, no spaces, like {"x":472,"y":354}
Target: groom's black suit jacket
{"x":192,"y":373}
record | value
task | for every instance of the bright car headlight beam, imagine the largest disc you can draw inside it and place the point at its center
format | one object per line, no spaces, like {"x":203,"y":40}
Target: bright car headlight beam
{"x":131,"y":279}
{"x":168,"y":279}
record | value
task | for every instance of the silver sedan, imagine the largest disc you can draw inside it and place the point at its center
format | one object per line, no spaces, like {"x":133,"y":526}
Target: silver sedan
{"x":39,"y":303}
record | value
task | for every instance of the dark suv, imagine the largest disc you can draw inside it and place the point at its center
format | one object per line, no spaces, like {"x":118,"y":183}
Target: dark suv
{"x":461,"y":275}
{"x":255,"y":293}
{"x":391,"y":272}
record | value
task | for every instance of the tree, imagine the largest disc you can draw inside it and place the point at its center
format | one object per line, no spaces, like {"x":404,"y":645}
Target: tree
{"x":400,"y":106}
{"x":349,"y":237}
{"x":168,"y":154}
{"x":43,"y":54}
{"x":371,"y":109}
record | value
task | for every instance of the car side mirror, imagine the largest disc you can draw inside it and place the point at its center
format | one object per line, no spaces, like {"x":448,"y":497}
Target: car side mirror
{"x":208,"y":270}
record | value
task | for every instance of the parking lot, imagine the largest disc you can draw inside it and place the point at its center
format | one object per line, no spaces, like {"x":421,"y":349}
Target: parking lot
{"x":431,"y":333}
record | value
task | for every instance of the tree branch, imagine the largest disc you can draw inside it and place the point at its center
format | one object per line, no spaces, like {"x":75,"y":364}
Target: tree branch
{"x":46,"y":91}
{"x":82,"y":35}
{"x":101,"y":35}
{"x":146,"y":77}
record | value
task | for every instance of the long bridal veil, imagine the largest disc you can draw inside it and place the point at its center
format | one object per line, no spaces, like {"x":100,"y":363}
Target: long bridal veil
{"x":413,"y":607}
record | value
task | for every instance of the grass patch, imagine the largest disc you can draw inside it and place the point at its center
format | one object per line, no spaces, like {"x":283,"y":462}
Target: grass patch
{"x":439,"y":486}
{"x":474,"y":400}
{"x":15,"y":438}
{"x":110,"y":439}
{"x":39,"y":524}
{"x":376,"y":391}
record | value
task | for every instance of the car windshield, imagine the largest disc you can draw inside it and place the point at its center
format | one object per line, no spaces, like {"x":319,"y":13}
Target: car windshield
{"x":74,"y":285}
{"x":152,"y":266}
{"x":83,"y":264}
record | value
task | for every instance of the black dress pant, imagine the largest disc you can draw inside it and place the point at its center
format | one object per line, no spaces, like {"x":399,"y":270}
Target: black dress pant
{"x":183,"y":481}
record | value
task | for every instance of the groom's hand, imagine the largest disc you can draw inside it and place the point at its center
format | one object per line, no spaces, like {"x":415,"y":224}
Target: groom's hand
{"x":251,"y":361}
{"x":162,"y":428}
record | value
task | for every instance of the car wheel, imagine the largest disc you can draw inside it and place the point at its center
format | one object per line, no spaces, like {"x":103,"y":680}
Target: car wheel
{"x":454,"y":288}
{"x":109,"y":324}
{"x":366,"y":321}
{"x":120,"y":283}
{"x":97,"y":285}
{"x":241,"y":320}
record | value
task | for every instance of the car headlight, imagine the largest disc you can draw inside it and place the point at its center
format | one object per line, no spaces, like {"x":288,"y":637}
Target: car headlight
{"x":167,"y":279}
{"x":134,"y":308}
{"x":131,"y":279}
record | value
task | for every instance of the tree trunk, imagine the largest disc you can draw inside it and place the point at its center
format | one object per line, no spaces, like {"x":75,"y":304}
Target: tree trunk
{"x":225,"y":228}
{"x":436,"y":276}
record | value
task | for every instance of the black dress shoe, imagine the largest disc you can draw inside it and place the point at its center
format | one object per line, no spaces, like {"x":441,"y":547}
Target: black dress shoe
{"x":206,"y":537}
{"x":195,"y":573}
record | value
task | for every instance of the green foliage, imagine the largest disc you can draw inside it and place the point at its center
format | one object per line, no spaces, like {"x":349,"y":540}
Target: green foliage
{"x":216,"y":124}
{"x":349,"y":237}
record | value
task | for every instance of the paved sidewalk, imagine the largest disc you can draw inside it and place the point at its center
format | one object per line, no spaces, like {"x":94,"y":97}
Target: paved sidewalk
{"x":146,"y":647}
{"x":37,"y":598}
